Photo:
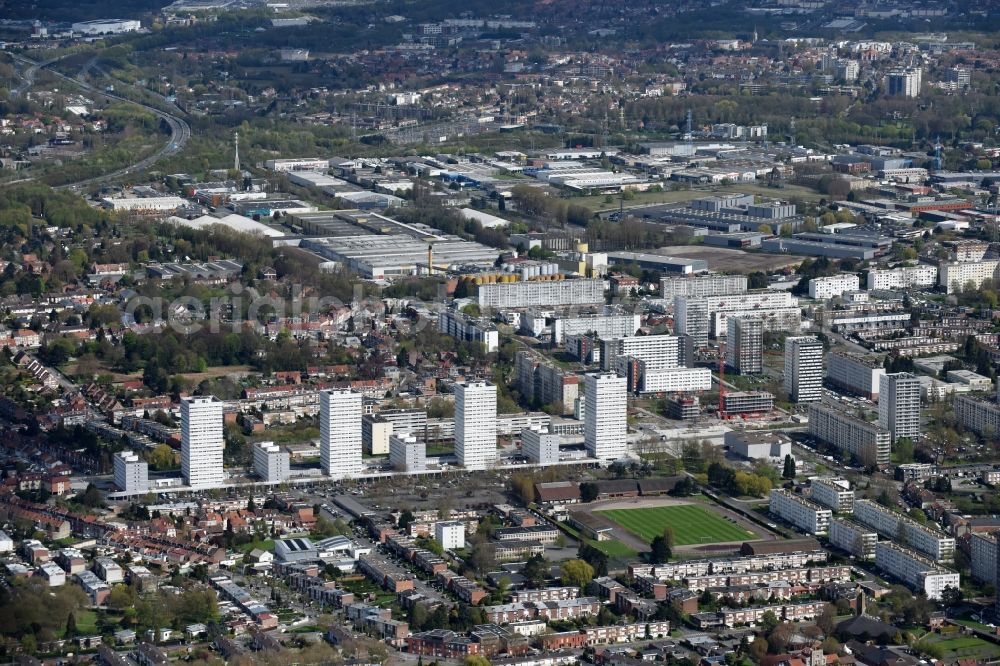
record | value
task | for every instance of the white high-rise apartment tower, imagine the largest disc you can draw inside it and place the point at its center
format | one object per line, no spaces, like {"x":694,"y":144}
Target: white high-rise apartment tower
{"x":745,"y":345}
{"x":804,"y":368}
{"x":604,"y":416}
{"x":899,"y":405}
{"x":340,"y":433}
{"x":476,"y":424}
{"x":202,"y":442}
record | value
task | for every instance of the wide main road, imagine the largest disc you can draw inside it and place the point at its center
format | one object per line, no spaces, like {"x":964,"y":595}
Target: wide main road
{"x":180,"y":131}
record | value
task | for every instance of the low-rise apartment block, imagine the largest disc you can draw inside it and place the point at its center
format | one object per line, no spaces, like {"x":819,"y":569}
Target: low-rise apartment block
{"x":800,"y":512}
{"x":858,"y":374}
{"x":854,"y":538}
{"x":871,"y":444}
{"x":731,"y":565}
{"x":906,"y":277}
{"x":823,"y":288}
{"x":962,"y":276}
{"x":914,"y":570}
{"x":983,"y":550}
{"x":567,"y":609}
{"x":978,"y":415}
{"x":835,"y":494}
{"x":930,"y":542}
{"x":469,"y":329}
{"x":734,"y":617}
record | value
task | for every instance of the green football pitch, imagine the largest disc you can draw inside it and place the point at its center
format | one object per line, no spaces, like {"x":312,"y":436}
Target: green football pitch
{"x":691,"y":523}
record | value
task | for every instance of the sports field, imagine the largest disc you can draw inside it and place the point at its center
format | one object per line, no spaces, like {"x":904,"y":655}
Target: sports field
{"x":691,"y":523}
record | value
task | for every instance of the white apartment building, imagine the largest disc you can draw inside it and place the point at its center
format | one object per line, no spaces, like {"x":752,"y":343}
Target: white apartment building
{"x":450,"y":534}
{"x":540,"y":292}
{"x":978,"y":415}
{"x":832,"y":286}
{"x":859,"y":374}
{"x":967,"y":249}
{"x":804,"y":368}
{"x":904,"y":82}
{"x":770,"y":306}
{"x":413,"y":421}
{"x":856,"y":539}
{"x":674,"y":380}
{"x":984,"y":557}
{"x":656,"y":351}
{"x":702,"y":317}
{"x":271,"y":462}
{"x":539,"y":446}
{"x":691,"y":318}
{"x":605,"y":425}
{"x":957,"y":277}
{"x":745,"y":345}
{"x":899,"y":405}
{"x":868,"y":442}
{"x":131,"y":472}
{"x":834,"y":494}
{"x":974,"y":381}
{"x":916,"y":572}
{"x":906,"y":277}
{"x":604,"y":325}
{"x":340,"y":433}
{"x":702,"y":285}
{"x":476,"y":424}
{"x":407,"y":453}
{"x":800,"y":512}
{"x":928,"y":541}
{"x":469,"y":329}
{"x":202,"y":442}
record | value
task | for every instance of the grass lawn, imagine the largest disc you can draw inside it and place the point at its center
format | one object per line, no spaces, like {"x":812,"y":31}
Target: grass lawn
{"x":691,"y":523}
{"x":965,"y":643}
{"x":440,"y":450}
{"x":614,"y":549}
{"x":86,"y":623}
{"x":267,"y":544}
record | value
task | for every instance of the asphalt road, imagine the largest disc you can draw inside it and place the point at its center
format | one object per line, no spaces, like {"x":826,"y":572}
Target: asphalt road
{"x":180,"y":131}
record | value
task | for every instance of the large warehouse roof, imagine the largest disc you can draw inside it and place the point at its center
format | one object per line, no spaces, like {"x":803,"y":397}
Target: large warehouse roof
{"x":233,"y":221}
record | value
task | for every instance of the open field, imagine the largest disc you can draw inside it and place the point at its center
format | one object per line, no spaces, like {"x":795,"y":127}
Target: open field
{"x":599,"y":202}
{"x":964,"y":647}
{"x":616,"y":550}
{"x":732,"y":261}
{"x":692,"y":524}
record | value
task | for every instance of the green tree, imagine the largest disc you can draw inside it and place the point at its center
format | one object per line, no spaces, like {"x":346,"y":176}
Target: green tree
{"x":769,"y":621}
{"x":588,"y":492}
{"x":668,"y":536}
{"x":659,"y":551}
{"x":536,"y":571}
{"x":91,"y":497}
{"x":476,"y":660}
{"x":789,"y":471}
{"x":161,"y":458}
{"x":121,"y":596}
{"x":577,"y":573}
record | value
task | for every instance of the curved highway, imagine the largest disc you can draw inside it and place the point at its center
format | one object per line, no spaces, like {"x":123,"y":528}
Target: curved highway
{"x":180,"y":131}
